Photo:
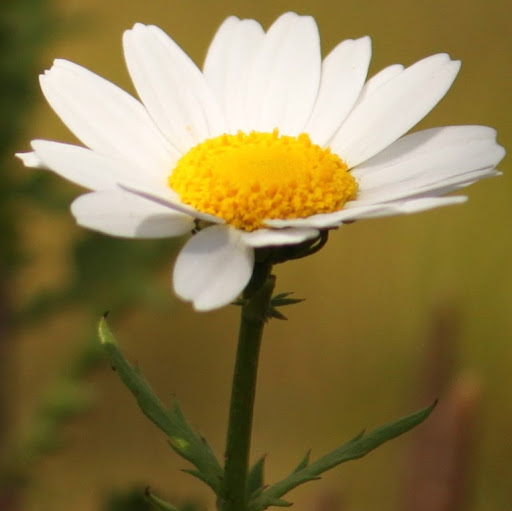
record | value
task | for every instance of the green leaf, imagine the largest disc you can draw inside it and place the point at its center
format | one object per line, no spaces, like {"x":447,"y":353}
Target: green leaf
{"x":185,"y":441}
{"x":255,"y":480}
{"x":159,"y":503}
{"x":356,"y":448}
{"x":280,"y":503}
{"x":194,"y":473}
{"x":303,"y":463}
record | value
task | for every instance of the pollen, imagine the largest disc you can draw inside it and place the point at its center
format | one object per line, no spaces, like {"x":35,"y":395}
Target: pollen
{"x":246,"y":179}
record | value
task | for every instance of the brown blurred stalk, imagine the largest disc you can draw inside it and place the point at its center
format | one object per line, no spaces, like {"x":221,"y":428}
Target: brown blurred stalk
{"x":438,"y":472}
{"x":330,"y":501}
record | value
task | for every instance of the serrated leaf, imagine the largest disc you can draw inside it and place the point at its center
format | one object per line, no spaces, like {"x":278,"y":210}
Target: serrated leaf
{"x":355,"y":448}
{"x":303,"y":463}
{"x":182,"y":438}
{"x":280,"y":503}
{"x":195,"y":473}
{"x":358,"y":436}
{"x":159,"y":503}
{"x":255,"y":477}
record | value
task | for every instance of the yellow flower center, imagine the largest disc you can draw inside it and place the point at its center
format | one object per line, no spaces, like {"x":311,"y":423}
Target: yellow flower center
{"x":248,"y":178}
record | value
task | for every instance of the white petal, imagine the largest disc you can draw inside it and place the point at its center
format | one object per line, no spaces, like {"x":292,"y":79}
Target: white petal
{"x":285,"y":76}
{"x":424,"y":204}
{"x":394,"y":108}
{"x":429,"y":141}
{"x":444,"y":186}
{"x":379,"y":79}
{"x":88,"y":168}
{"x":30,"y":159}
{"x":168,"y":198}
{"x":343,"y":74}
{"x":326,"y":220}
{"x":227,"y":65}
{"x":123,"y":214}
{"x":172,"y":87}
{"x":426,"y":159}
{"x":411,"y":206}
{"x":213,"y":268}
{"x":105,"y":118}
{"x":273,"y":237}
{"x":349,"y":214}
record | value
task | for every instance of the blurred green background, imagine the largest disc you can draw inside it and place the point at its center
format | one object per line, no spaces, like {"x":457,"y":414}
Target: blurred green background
{"x":349,"y":357}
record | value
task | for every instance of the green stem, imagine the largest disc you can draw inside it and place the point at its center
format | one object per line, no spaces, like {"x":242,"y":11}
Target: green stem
{"x":254,"y":314}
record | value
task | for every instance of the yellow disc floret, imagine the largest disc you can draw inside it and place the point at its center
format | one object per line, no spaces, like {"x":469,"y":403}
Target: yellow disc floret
{"x":248,"y":178}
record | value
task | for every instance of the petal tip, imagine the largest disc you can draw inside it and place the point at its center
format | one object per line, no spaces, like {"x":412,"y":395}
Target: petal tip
{"x":456,"y":64}
{"x":30,"y":159}
{"x":213,"y":268}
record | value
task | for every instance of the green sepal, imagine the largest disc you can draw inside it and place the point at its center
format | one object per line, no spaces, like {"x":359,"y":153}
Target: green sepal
{"x":279,"y":300}
{"x":255,"y":478}
{"x":282,"y":299}
{"x":185,"y":441}
{"x":274,"y":313}
{"x":359,"y":446}
{"x":159,"y":503}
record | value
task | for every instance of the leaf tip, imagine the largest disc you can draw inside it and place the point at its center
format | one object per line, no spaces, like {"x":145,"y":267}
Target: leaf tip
{"x":104,"y":332}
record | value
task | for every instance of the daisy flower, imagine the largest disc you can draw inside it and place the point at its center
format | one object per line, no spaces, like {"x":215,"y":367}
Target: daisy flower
{"x":268,"y":145}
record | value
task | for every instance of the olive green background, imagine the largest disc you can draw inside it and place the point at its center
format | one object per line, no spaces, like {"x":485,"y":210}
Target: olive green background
{"x":348,"y":357}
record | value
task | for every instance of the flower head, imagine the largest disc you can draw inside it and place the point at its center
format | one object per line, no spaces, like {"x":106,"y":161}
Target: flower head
{"x":267,"y":146}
